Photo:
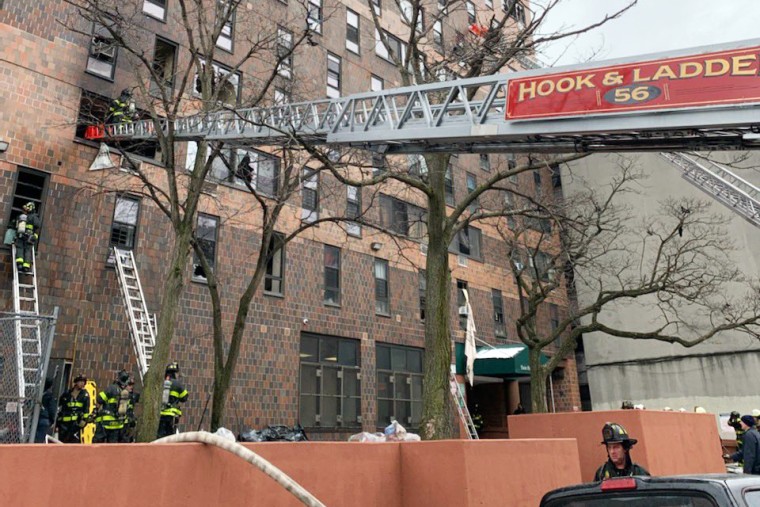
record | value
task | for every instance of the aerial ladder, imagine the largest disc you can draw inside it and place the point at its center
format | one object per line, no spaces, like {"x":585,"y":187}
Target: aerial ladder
{"x":29,"y":354}
{"x":141,"y":323}
{"x":719,"y":182}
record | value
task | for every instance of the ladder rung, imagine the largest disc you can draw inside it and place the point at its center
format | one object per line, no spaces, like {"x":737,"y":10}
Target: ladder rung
{"x":27,"y":299}
{"x":26,"y":285}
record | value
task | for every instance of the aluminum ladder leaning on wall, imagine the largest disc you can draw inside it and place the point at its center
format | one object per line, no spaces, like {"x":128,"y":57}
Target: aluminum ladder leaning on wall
{"x":141,"y":327}
{"x":28,"y":339}
{"x":462,"y":410}
{"x":735,"y":192}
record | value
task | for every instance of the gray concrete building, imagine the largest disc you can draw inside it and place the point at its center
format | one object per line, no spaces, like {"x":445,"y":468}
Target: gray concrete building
{"x":718,"y":374}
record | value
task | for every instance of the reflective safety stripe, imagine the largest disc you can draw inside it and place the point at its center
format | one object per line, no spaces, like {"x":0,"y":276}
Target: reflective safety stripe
{"x":172,"y":412}
{"x":75,"y":404}
{"x":178,"y":394}
{"x":69,"y":418}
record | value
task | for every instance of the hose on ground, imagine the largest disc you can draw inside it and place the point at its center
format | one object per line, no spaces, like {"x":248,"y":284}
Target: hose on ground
{"x":251,"y":457}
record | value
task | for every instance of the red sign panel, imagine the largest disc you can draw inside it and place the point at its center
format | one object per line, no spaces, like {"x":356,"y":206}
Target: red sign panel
{"x":726,"y":77}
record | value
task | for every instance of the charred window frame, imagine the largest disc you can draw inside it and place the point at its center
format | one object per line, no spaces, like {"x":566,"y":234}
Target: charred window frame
{"x":164,"y":64}
{"x":31,"y":186}
{"x":274,"y":278}
{"x":206,"y":234}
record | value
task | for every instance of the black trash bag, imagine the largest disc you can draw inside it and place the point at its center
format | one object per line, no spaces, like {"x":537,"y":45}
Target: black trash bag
{"x":296,"y":434}
{"x":251,"y":436}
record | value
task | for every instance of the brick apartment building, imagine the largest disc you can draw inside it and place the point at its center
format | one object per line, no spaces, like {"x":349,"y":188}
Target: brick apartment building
{"x":363,"y":347}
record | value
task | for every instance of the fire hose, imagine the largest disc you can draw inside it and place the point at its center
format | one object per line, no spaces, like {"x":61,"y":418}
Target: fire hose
{"x":251,"y":457}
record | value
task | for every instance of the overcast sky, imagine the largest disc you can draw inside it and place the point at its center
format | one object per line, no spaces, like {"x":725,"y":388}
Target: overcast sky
{"x":649,"y":27}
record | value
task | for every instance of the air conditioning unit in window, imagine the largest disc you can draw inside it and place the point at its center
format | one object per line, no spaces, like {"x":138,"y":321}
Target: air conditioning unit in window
{"x":463,"y":310}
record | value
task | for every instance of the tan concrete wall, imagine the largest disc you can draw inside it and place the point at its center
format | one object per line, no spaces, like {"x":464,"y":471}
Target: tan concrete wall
{"x":668,"y":442}
{"x":456,"y":473}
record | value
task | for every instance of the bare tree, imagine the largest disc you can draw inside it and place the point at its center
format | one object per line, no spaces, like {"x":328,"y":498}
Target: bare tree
{"x":431,"y":50}
{"x":192,"y":83}
{"x":676,"y":269}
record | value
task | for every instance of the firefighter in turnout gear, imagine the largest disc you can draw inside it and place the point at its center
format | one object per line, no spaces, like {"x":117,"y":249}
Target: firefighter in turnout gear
{"x":130,"y":421}
{"x":27,"y":232}
{"x":73,"y":412}
{"x":619,"y":462}
{"x":112,"y":409}
{"x":122,"y":109}
{"x":174,"y":394}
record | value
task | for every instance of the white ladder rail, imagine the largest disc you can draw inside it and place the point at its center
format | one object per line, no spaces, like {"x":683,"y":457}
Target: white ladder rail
{"x":28,"y":338}
{"x":141,"y":327}
{"x":725,"y":186}
{"x":462,"y":410}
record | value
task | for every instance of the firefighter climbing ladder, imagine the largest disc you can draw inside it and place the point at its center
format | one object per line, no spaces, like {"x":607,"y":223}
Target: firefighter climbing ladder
{"x":728,"y":188}
{"x":462,"y":410}
{"x":141,"y":326}
{"x":28,"y":338}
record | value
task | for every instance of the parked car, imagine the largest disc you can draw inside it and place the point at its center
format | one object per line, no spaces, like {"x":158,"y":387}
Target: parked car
{"x":709,"y":490}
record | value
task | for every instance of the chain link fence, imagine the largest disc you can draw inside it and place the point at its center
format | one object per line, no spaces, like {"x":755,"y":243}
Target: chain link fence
{"x":25,"y":342}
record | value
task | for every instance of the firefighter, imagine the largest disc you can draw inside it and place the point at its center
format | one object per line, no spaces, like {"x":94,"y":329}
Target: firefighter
{"x":734,"y":420}
{"x":73,"y":409}
{"x":619,"y":463}
{"x":27,"y":232}
{"x":112,"y":411}
{"x":122,"y":109}
{"x":130,"y":421}
{"x":174,"y":394}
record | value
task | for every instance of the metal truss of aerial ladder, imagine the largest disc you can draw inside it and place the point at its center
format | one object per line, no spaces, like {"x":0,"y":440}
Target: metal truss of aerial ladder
{"x":459,"y":116}
{"x":718,"y":181}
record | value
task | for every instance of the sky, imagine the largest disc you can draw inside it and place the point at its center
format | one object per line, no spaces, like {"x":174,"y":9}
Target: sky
{"x":651,"y":26}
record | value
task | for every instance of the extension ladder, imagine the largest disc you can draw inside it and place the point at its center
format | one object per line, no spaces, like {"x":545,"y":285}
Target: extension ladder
{"x":141,"y":327}
{"x":733,"y":191}
{"x":462,"y":410}
{"x":28,"y":337}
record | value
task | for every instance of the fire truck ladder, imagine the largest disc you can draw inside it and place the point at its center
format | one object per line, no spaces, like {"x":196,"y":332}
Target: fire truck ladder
{"x":28,"y":336}
{"x":141,"y":326}
{"x":462,"y":410}
{"x":465,"y":116}
{"x":735,"y":192}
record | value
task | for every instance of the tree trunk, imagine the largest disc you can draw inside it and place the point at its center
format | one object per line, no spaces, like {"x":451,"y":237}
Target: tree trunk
{"x":436,"y":399}
{"x":538,"y":376}
{"x":147,"y":426}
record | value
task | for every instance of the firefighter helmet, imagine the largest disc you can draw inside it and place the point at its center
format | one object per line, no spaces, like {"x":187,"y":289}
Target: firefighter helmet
{"x":172,"y":368}
{"x":28,"y":207}
{"x":613,"y":432}
{"x":80,"y":378}
{"x":123,"y":377}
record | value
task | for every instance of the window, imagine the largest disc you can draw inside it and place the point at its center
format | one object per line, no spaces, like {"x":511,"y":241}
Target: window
{"x":275,"y":273}
{"x":418,"y":166}
{"x":330,"y":383}
{"x":462,"y":304}
{"x":124,"y":225}
{"x":449,"y":186}
{"x":310,"y":196}
{"x":103,"y":52}
{"x":314,"y":15}
{"x":332,"y":275}
{"x":206,"y":235}
{"x":402,"y":218}
{"x":281,"y":97}
{"x":399,"y":385}
{"x":518,"y":14}
{"x":30,"y":187}
{"x":333,"y":76}
{"x":352,"y":31}
{"x":378,"y":164}
{"x":377,"y":7}
{"x":438,"y":32}
{"x":556,"y":176}
{"x":422,"y":293}
{"x":382,"y":293}
{"x":397,"y":47}
{"x":376,"y":84}
{"x":485,"y":162}
{"x":164,"y":65}
{"x":472,"y":184}
{"x":226,"y":35}
{"x":500,"y":329}
{"x":443,"y":6}
{"x":224,"y":84}
{"x":489,"y":4}
{"x":155,"y":8}
{"x":470,"y":12}
{"x":284,"y":55}
{"x":259,"y":170}
{"x":467,"y":242}
{"x":537,"y":182}
{"x":541,"y":266}
{"x":407,"y":14}
{"x":353,"y":209}
{"x":553,"y":316}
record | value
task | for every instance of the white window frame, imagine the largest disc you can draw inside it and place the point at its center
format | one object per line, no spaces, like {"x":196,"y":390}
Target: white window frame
{"x":154,"y":9}
{"x":225,"y":39}
{"x":310,"y":182}
{"x":353,"y":199}
{"x":97,"y":66}
{"x":376,"y":84}
{"x":285,"y":43}
{"x":334,"y":79}
{"x":352,"y":22}
{"x":314,"y":22}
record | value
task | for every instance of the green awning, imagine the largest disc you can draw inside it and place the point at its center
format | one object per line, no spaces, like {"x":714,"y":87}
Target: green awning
{"x":499,"y":361}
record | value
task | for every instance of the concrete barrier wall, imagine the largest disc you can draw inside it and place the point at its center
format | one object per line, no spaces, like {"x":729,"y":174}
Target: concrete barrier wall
{"x":457,"y":473}
{"x":669,"y":442}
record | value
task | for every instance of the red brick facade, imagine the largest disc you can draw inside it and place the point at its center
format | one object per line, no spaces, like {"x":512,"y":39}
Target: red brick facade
{"x":42,"y":78}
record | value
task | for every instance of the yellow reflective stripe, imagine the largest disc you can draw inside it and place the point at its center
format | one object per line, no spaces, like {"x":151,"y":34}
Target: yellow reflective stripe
{"x":75,"y":404}
{"x":69,"y":418}
{"x":178,"y":394}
